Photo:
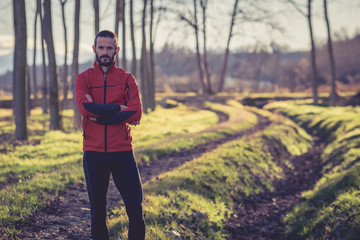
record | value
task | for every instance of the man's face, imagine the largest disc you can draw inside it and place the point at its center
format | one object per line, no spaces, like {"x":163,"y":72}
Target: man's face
{"x":105,"y":51}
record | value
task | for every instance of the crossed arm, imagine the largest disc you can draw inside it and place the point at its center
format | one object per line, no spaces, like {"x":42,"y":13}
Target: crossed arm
{"x":110,"y":113}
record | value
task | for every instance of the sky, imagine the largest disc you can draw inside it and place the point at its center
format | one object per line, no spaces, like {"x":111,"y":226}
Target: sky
{"x":344,"y":17}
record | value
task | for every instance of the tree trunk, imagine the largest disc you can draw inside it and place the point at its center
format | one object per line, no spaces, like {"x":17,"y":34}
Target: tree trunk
{"x":44,"y":87}
{"x":313,"y":58}
{"x":75,"y":64}
{"x":205,"y":59}
{"x":34,"y":58}
{"x":19,"y":73}
{"x":124,"y":62}
{"x":227,"y":51}
{"x":64,"y":76}
{"x":118,"y":12}
{"x":133,"y":45}
{"x":97,"y":16}
{"x":152,"y":60}
{"x":333,"y":95}
{"x":54,"y":95}
{"x":28,"y":90}
{"x":258,"y":77}
{"x":198,"y":56}
{"x":144,"y":66}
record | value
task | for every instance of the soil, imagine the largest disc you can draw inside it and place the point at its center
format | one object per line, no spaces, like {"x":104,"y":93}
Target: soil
{"x":255,"y":216}
{"x":261,"y":216}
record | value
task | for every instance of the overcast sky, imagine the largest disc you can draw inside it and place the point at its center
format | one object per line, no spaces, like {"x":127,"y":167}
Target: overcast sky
{"x":344,"y":16}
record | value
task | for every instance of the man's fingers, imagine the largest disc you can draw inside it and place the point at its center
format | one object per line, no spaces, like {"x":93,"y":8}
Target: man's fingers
{"x":88,"y":97}
{"x":135,"y":123}
{"x":123,"y":107}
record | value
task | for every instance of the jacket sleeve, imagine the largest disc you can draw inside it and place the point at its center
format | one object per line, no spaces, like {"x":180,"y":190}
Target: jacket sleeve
{"x":81,"y":90}
{"x":90,"y":109}
{"x":102,"y":109}
{"x":133,"y":111}
{"x":115,"y":118}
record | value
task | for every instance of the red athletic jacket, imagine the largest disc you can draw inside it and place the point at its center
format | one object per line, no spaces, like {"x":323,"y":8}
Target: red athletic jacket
{"x":111,"y":131}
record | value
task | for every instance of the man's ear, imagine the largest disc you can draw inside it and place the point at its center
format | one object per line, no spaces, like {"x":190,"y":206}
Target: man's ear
{"x":117,"y":50}
{"x":93,"y":47}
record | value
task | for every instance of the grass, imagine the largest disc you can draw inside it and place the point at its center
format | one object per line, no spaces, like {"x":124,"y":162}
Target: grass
{"x":33,"y":172}
{"x":239,"y":120}
{"x":159,"y":125}
{"x":194,"y":200}
{"x":332,"y":208}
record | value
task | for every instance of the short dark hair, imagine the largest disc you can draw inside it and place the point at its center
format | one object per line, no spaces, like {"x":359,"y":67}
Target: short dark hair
{"x":107,"y":33}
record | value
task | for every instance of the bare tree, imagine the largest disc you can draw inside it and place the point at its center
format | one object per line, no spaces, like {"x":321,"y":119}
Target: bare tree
{"x":75,"y":64}
{"x":53,"y":84}
{"x":97,"y":16}
{"x":198,"y":55}
{"x":313,"y":51}
{"x":28,"y":90}
{"x":124,"y":62}
{"x":204,"y":4}
{"x":313,"y":56}
{"x":227,"y":50}
{"x":118,"y":17}
{"x":64,"y":76}
{"x":192,"y":21}
{"x":333,"y":95}
{"x":144,"y":64}
{"x":19,"y":73}
{"x":133,"y":46}
{"x":44,"y":87}
{"x":37,"y":13}
{"x":152,"y":60}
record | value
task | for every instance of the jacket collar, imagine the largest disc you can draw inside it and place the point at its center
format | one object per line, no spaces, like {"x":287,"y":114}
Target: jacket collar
{"x":112,"y":68}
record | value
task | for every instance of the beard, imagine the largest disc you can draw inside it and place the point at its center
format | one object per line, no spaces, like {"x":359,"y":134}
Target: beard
{"x":109,"y":62}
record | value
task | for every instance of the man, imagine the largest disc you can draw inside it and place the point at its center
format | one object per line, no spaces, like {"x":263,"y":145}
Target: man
{"x":108,"y":99}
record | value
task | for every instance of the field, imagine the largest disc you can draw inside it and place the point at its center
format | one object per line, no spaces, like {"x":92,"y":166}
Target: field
{"x":212,"y":168}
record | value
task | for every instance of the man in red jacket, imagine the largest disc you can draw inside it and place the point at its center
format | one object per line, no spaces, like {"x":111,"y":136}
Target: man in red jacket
{"x":108,"y":98}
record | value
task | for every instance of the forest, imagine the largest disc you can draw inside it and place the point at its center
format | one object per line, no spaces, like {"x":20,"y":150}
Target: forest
{"x":242,"y":136}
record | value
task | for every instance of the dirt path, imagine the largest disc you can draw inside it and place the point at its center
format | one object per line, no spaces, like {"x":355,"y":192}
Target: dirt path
{"x":68,"y":216}
{"x":260,"y":217}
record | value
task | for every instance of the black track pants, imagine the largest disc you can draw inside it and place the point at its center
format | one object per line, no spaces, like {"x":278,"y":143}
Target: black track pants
{"x":122,"y":166}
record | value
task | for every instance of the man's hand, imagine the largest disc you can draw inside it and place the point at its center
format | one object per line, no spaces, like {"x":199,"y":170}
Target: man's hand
{"x":88,"y":97}
{"x":134,"y":123}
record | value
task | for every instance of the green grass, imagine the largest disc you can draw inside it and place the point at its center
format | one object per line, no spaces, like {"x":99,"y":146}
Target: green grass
{"x":159,"y":145}
{"x":193,"y":200}
{"x":331,"y":209}
{"x":33,"y":172}
{"x":196,"y":198}
{"x":160,"y":125}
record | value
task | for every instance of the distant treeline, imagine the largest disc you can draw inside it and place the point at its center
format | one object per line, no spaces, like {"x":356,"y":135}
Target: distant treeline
{"x":255,"y":69}
{"x":261,"y":69}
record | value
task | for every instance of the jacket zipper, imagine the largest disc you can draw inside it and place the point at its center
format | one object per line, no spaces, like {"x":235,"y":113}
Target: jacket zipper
{"x":105,"y":147}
